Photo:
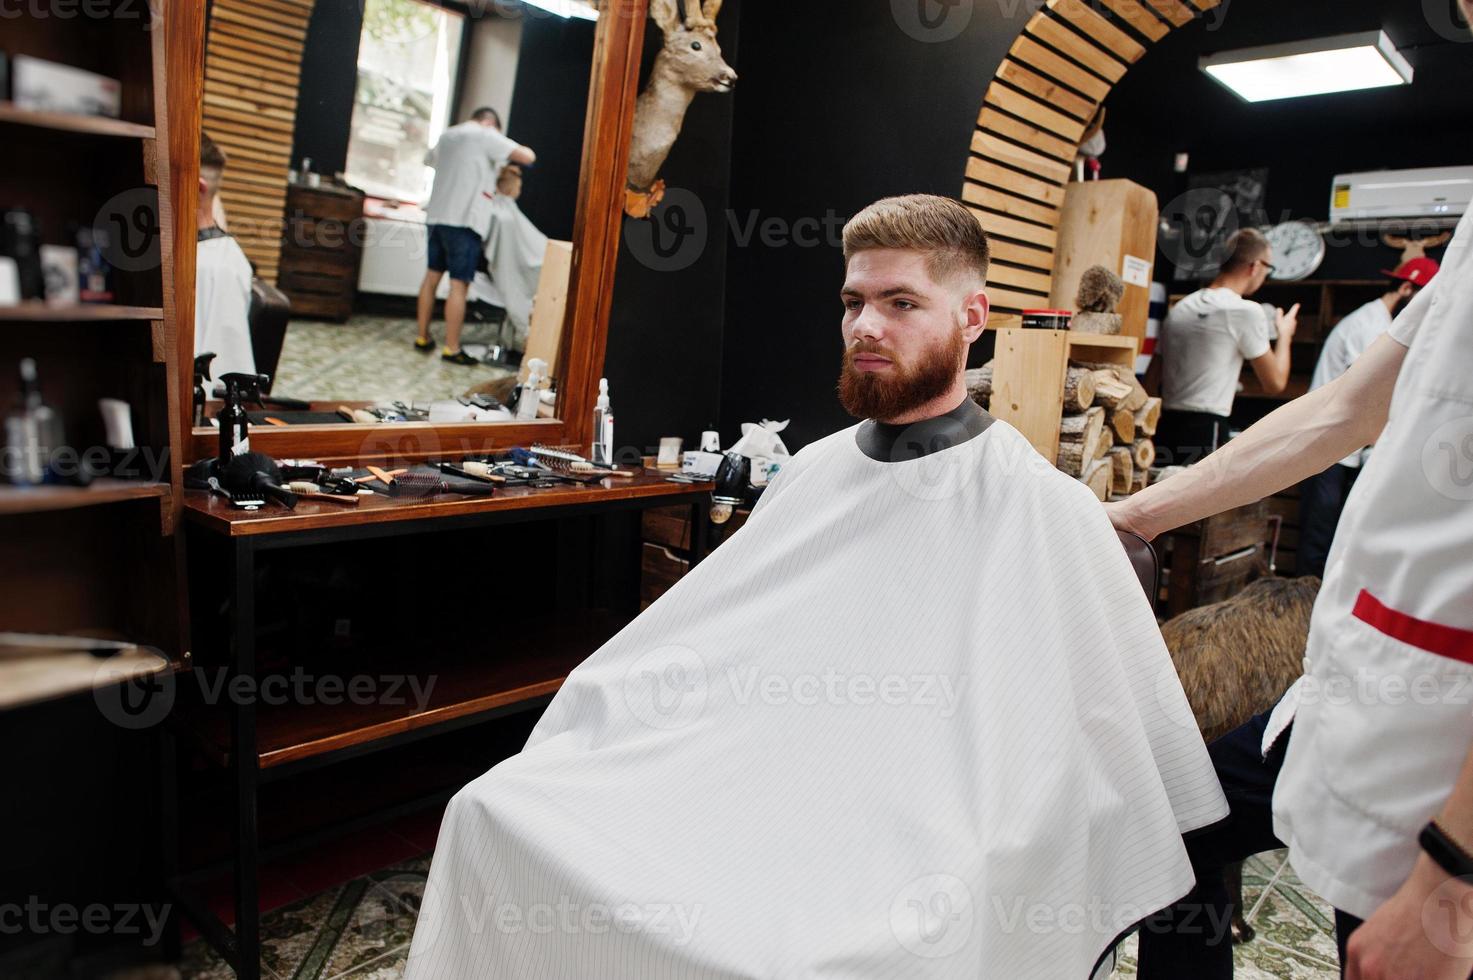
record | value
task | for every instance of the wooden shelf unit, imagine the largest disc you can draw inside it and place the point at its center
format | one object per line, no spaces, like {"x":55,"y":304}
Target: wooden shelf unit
{"x":34,"y":311}
{"x":1029,"y":371}
{"x":468,"y":685}
{"x":39,"y":500}
{"x":10,"y":114}
{"x":105,"y":555}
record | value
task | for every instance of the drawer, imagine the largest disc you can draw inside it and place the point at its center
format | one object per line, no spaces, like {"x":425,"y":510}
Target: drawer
{"x":668,"y":526}
{"x":660,"y":568}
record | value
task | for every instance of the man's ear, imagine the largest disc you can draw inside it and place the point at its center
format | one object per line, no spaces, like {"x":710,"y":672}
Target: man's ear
{"x":204,"y":188}
{"x":974,"y":315}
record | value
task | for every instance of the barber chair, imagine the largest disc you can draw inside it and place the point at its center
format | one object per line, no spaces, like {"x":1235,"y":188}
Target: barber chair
{"x":270,"y":313}
{"x":1145,"y":562}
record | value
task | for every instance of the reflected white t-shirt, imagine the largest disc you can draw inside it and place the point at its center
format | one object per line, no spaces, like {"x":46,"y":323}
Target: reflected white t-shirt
{"x":1205,"y":340}
{"x":467,"y":161}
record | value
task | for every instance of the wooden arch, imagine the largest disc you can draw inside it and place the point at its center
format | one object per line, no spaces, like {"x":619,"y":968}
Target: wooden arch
{"x":1055,"y":77}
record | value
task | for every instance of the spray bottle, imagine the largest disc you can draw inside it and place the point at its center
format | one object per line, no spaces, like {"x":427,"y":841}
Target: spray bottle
{"x":235,"y":424}
{"x":201,"y":375}
{"x":32,"y":434}
{"x":603,"y":426}
{"x":531,"y":396}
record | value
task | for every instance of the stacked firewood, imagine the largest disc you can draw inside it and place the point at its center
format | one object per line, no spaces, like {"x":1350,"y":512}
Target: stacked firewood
{"x":1105,"y":434}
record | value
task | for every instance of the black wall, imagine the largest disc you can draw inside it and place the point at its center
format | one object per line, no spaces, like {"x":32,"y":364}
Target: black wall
{"x":665,"y":333}
{"x":1166,"y":105}
{"x":548,"y":113}
{"x":842,"y":104}
{"x":329,"y":75}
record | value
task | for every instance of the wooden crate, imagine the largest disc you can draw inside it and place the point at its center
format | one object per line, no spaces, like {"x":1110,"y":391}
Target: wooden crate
{"x":321,"y":251}
{"x":1216,"y":558}
{"x":1028,"y":377}
{"x":1110,"y":223}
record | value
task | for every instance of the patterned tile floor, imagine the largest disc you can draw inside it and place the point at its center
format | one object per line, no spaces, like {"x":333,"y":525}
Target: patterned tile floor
{"x":370,"y":359}
{"x":362,"y":930}
{"x":1295,"y":930}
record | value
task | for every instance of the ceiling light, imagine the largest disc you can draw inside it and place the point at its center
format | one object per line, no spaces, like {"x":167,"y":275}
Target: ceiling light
{"x":1288,"y":71}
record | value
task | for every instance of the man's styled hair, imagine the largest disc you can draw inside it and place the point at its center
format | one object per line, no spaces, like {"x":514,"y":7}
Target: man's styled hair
{"x":1244,"y":247}
{"x":486,"y":113}
{"x":212,"y":161}
{"x":950,"y":236}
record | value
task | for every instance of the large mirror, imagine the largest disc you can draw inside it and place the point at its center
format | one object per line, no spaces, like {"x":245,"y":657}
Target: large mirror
{"x":387,"y":206}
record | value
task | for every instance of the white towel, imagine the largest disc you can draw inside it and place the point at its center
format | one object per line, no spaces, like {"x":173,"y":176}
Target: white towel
{"x":914,"y":719}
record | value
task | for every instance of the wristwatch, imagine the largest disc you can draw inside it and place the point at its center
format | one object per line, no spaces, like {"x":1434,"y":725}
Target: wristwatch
{"x":1448,"y":854}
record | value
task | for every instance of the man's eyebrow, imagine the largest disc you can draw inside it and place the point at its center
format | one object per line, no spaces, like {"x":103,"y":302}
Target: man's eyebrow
{"x":883,"y":294}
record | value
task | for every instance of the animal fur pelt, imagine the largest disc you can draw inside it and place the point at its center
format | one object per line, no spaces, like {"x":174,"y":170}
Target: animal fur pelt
{"x":1236,"y":658}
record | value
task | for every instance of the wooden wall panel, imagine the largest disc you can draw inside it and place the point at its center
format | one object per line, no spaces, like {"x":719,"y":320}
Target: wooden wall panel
{"x":253,"y":57}
{"x":1056,"y":74}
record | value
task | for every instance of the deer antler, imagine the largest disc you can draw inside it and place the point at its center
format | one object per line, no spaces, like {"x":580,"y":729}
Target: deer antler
{"x":1415,"y":249}
{"x":712,"y":8}
{"x":666,"y":15}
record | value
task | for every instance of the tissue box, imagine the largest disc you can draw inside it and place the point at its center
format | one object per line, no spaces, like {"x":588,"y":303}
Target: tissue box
{"x":702,"y":466}
{"x":44,"y":86}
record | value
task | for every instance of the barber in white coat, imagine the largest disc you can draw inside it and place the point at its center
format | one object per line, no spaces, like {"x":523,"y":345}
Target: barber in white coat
{"x":1375,"y":795}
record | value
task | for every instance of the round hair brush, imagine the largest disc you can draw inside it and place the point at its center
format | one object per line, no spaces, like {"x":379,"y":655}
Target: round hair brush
{"x":429,"y":485}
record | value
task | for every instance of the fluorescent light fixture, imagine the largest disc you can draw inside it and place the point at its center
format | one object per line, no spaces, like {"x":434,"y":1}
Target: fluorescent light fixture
{"x":1289,"y":71}
{"x":566,"y":8}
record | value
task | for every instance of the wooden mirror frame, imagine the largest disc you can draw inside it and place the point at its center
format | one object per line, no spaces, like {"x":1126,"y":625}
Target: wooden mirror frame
{"x":613,"y":86}
{"x":1055,"y":77}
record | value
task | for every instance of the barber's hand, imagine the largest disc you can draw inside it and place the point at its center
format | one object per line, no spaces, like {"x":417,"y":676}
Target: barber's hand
{"x":1122,"y":515}
{"x":1288,"y":323}
{"x":1424,"y":932}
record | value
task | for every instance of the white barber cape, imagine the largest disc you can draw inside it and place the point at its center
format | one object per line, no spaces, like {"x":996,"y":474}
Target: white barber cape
{"x":515,"y":250}
{"x":914,"y":719}
{"x":222,"y":306}
{"x":1382,"y":725}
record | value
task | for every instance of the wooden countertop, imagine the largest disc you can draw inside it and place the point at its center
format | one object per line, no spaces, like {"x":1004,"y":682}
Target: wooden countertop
{"x":216,"y":514}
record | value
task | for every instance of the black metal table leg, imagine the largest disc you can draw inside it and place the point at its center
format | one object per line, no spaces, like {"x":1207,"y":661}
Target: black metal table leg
{"x":244,"y":759}
{"x":700,"y":524}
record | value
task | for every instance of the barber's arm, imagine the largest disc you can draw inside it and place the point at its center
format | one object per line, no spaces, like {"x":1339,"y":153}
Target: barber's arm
{"x":1422,"y":932}
{"x":1300,"y":439}
{"x":1273,"y":367}
{"x":524,"y":156}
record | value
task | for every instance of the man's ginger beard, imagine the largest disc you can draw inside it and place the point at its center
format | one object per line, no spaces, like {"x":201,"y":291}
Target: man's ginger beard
{"x":905,"y":387}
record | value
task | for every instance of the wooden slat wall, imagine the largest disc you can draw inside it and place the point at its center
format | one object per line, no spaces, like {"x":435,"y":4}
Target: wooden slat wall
{"x":1056,"y":75}
{"x":253,"y":58}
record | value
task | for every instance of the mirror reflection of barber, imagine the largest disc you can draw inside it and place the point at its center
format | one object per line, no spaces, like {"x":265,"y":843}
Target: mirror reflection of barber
{"x":468,"y":161}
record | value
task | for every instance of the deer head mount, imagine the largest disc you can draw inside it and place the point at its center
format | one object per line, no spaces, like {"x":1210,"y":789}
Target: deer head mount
{"x":690,"y":62}
{"x":1415,"y":248}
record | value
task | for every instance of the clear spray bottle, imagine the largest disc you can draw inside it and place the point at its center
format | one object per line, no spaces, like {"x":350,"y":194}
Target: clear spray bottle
{"x":603,"y":426}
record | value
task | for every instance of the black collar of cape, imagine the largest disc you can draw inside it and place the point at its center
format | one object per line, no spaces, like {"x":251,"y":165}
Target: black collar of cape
{"x":211,"y":233}
{"x":888,"y":443}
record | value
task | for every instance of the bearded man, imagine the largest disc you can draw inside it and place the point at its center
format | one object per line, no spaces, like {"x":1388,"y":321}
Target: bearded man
{"x":914,"y":719}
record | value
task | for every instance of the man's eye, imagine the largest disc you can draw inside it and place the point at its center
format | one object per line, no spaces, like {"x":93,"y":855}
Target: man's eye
{"x":904,"y":304}
{"x":852,"y":305}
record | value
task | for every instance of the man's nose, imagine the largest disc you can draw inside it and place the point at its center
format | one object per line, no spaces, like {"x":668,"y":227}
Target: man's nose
{"x":868,"y":325}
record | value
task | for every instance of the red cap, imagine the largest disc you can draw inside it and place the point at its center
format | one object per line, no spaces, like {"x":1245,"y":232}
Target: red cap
{"x":1418,"y":272}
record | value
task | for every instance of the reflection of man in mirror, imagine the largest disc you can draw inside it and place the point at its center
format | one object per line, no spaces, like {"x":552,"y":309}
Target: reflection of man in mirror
{"x":222,"y":300}
{"x":467,"y":161}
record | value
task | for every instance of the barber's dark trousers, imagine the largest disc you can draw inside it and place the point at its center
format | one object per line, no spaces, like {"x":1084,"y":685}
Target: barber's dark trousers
{"x":1182,"y":438}
{"x":1194,"y":937}
{"x":1321,"y":501}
